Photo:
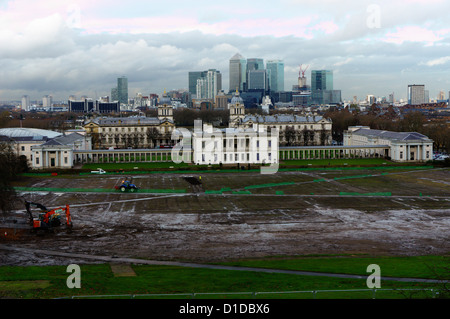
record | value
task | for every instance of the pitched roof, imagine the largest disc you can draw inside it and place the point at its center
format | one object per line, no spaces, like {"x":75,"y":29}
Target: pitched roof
{"x":390,"y":135}
{"x":282,"y":118}
{"x":64,"y":140}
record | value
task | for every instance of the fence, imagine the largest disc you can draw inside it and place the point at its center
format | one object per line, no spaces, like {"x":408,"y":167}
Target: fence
{"x":404,"y":293}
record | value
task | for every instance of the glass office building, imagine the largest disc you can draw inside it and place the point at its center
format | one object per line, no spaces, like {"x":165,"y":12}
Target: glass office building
{"x":275,"y":73}
{"x":321,"y":80}
{"x":238,"y":69}
{"x":122,"y":90}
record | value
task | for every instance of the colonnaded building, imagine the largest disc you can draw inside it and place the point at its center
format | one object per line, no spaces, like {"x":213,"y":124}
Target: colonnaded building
{"x":402,"y":146}
{"x":136,"y":132}
{"x":294,"y":130}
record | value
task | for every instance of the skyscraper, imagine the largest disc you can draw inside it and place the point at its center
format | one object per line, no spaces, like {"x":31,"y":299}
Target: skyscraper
{"x":193,"y":77}
{"x":257,"y":80}
{"x":322,"y":91}
{"x":321,"y":80}
{"x":255,"y":64}
{"x":238,"y":70}
{"x":122,"y":90}
{"x":209,"y":85}
{"x":26,"y":103}
{"x":416,"y":94}
{"x":275,"y":71}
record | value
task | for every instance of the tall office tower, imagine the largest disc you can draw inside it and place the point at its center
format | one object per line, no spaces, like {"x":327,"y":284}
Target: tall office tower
{"x":47,"y":101}
{"x":416,"y":94}
{"x":441,"y":95}
{"x":257,"y":80}
{"x":275,"y":70}
{"x":114,"y":95}
{"x":391,"y":98}
{"x":193,"y":77}
{"x":209,"y":85}
{"x":322,"y":91}
{"x":26,"y":103}
{"x":238,"y":70}
{"x":122,"y":90}
{"x":255,"y":64}
{"x":321,"y":80}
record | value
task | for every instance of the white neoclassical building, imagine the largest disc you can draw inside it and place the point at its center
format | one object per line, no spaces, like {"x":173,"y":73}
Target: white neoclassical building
{"x":253,"y":145}
{"x":58,"y":152}
{"x":403,"y":146}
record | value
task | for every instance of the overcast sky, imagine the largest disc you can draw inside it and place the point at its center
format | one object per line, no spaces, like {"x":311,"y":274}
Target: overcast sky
{"x":64,"y":47}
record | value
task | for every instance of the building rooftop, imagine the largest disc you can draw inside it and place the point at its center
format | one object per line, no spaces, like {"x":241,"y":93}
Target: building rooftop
{"x":390,"y":135}
{"x":28,"y":134}
{"x":282,"y":118}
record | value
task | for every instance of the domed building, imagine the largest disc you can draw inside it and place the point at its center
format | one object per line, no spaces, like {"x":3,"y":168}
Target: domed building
{"x":237,"y":109}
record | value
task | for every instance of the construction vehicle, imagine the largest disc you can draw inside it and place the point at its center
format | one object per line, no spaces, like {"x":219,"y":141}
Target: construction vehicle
{"x":48,"y":219}
{"x":126,"y":185}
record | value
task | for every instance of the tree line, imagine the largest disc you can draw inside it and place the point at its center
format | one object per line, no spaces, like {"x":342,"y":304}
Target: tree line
{"x":414,"y":121}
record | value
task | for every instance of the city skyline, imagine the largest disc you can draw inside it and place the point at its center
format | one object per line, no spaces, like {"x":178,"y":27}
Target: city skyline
{"x":80,"y":48}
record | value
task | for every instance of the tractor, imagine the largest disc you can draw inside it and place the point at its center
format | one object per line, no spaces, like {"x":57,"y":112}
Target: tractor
{"x":126,"y":185}
{"x":48,"y":219}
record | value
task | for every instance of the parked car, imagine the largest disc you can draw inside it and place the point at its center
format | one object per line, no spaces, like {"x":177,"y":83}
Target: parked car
{"x":98,"y":171}
{"x":441,"y":158}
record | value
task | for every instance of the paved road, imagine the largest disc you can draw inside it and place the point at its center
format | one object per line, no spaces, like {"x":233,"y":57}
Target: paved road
{"x":113,"y":259}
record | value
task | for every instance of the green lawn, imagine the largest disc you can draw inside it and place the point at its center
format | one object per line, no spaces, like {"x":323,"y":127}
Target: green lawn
{"x":100,"y":279}
{"x":338,"y":162}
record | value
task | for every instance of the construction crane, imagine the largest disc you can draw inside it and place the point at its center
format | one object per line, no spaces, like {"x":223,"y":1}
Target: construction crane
{"x":302,"y":71}
{"x":48,"y":219}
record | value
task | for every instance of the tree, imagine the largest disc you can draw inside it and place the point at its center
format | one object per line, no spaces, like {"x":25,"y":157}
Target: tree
{"x":153,"y":136}
{"x":10,"y":166}
{"x":289,"y":135}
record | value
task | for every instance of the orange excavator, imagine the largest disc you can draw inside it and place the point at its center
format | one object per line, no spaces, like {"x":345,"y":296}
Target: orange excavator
{"x":48,"y":219}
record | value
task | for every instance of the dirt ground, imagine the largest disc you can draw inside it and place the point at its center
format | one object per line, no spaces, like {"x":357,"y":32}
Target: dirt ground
{"x":309,"y":217}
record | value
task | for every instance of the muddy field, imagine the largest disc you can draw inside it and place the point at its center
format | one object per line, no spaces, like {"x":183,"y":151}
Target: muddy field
{"x":308,"y":216}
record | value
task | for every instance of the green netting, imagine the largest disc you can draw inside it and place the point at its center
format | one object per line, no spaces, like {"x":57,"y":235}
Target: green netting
{"x":366,"y":194}
{"x":269,"y":185}
{"x":242,"y":192}
{"x":279,"y":193}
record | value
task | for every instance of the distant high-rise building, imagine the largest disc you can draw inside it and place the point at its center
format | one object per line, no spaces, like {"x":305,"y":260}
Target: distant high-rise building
{"x":47,"y":101}
{"x":122,"y":90}
{"x":193,"y":77}
{"x":26,"y":103}
{"x":114,"y":95}
{"x":209,"y":85}
{"x":237,"y":72}
{"x":322,"y":91}
{"x":441,"y":96}
{"x":391,"y":98}
{"x":257,"y":80}
{"x":416,"y":94}
{"x":275,"y":70}
{"x":255,"y":64}
{"x":321,"y":80}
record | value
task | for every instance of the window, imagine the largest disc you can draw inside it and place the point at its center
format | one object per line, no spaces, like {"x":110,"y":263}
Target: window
{"x":23,"y":148}
{"x":37,"y":160}
{"x":401,"y":155}
{"x":203,"y":157}
{"x":270,"y":143}
{"x":257,"y":156}
{"x":428,"y":154}
{"x":65,"y":160}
